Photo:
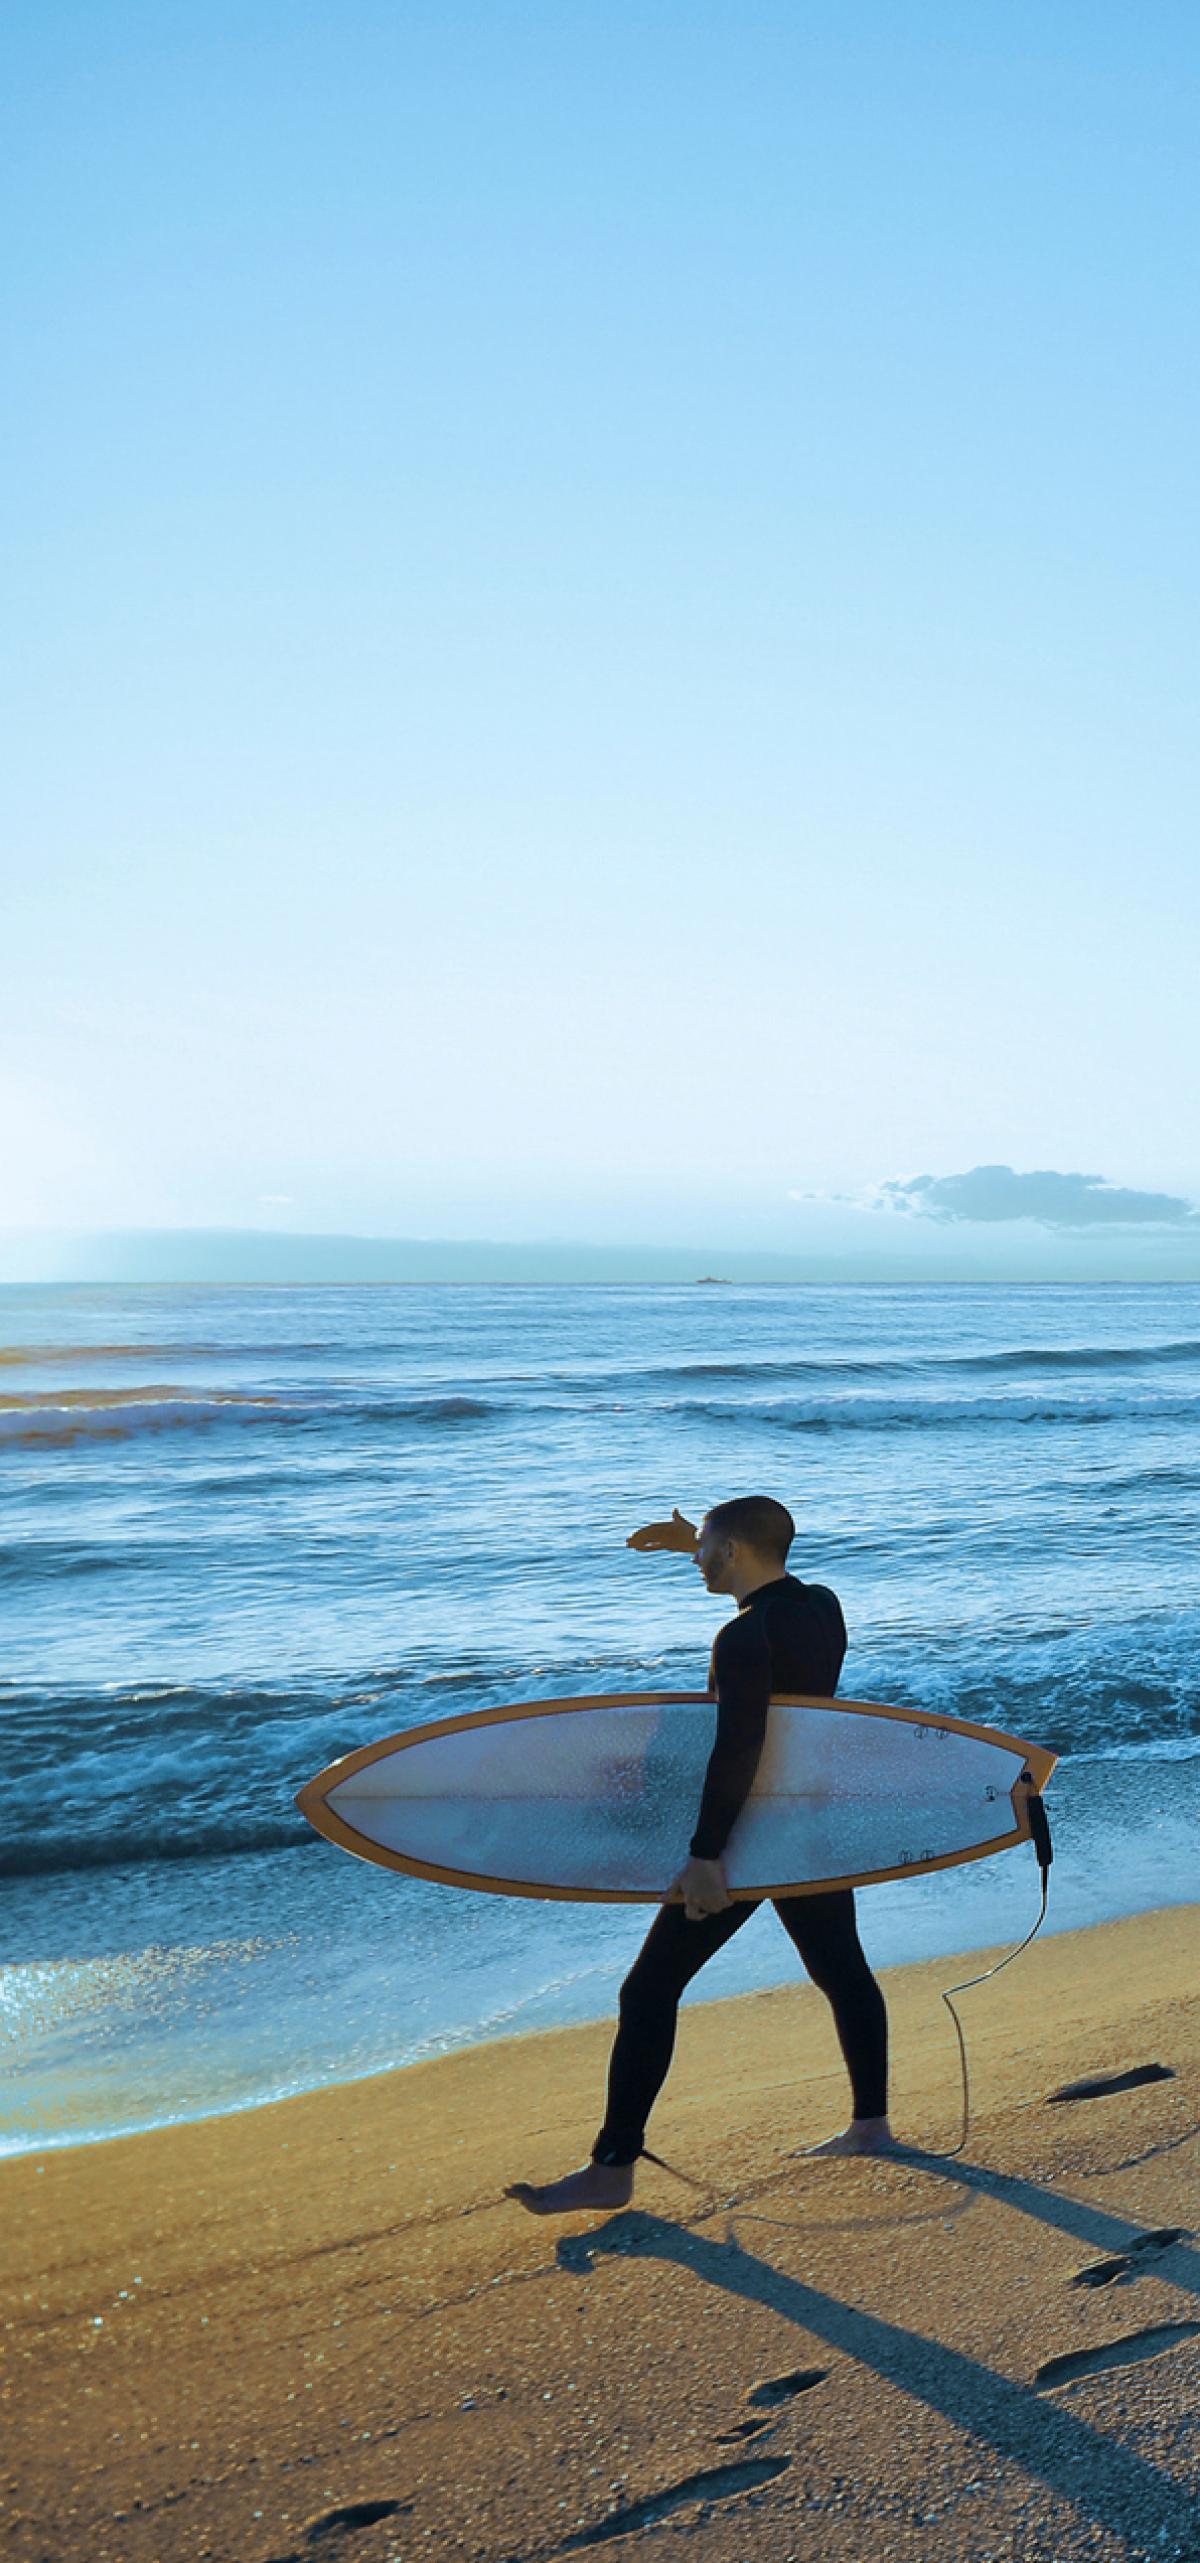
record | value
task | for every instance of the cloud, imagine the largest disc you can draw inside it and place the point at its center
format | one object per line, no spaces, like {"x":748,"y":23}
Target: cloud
{"x":989,"y":1193}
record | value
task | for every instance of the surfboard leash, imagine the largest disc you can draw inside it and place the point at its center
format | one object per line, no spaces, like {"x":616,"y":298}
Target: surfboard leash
{"x":687,"y":2177}
{"x":1039,"y":1830}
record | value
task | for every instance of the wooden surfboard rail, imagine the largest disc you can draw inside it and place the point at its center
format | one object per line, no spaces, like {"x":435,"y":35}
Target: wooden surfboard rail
{"x":313,"y":1799}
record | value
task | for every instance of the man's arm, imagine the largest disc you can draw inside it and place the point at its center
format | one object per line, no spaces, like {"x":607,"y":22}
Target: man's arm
{"x":742,"y":1666}
{"x":678,"y":1534}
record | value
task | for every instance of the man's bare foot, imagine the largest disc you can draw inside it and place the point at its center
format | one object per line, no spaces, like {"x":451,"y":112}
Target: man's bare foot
{"x":598,"y":2185}
{"x":862,"y":2136}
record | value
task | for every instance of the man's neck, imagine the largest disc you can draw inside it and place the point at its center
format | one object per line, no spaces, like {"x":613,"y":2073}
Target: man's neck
{"x":746,"y":1587}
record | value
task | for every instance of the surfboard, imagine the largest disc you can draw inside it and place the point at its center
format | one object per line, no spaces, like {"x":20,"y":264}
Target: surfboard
{"x":592,"y":1801}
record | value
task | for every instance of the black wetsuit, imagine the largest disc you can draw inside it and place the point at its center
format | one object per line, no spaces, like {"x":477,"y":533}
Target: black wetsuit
{"x":788,"y":1636}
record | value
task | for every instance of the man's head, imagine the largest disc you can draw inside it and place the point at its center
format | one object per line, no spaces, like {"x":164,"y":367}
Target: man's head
{"x":743,"y":1544}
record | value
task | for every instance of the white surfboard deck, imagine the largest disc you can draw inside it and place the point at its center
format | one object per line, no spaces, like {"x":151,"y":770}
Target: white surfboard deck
{"x":593,"y":1801}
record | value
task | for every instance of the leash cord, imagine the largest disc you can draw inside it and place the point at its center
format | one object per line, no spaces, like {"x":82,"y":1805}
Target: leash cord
{"x":1039,"y":1833}
{"x":967,"y":1986}
{"x":676,"y":2174}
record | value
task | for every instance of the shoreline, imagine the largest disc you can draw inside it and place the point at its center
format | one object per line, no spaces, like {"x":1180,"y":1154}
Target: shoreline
{"x":16,"y":2146}
{"x":319,"y":2319}
{"x":953,"y":1938}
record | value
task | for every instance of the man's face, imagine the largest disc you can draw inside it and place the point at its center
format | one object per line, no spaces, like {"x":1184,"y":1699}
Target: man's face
{"x":714,"y":1556}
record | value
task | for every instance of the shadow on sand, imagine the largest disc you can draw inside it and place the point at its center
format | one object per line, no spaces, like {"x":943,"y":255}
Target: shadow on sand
{"x":1103,"y":2481}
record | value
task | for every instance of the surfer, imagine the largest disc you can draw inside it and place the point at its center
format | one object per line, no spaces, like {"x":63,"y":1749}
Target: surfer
{"x":788,"y":1636}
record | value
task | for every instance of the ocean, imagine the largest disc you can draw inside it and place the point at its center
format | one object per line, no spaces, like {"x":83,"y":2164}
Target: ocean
{"x":245,"y":1531}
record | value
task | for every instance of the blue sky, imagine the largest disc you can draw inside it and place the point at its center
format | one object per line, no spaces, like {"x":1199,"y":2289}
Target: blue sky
{"x":602,"y":612}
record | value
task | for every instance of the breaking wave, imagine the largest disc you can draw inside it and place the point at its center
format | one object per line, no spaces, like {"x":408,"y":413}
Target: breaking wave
{"x":891,"y":1414}
{"x":151,"y":1774}
{"x":825,"y":1370}
{"x":54,"y":1418}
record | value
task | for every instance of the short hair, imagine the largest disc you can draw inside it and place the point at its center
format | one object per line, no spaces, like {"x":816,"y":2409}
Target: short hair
{"x":758,"y":1520}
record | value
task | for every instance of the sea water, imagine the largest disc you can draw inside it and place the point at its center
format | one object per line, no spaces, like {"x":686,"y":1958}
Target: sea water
{"x":245,"y":1531}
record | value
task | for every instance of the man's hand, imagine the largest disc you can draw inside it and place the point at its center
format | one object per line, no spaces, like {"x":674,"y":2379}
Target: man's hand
{"x":678,"y":1534}
{"x":702,"y":1888}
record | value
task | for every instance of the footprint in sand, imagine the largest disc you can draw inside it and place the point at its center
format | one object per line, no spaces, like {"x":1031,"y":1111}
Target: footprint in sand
{"x":1099,"y":2087}
{"x":718,"y":2483}
{"x":780,"y":2389}
{"x":775,"y":2391}
{"x":1129,"y":2351}
{"x":346,"y":2521}
{"x":1131,"y":2263}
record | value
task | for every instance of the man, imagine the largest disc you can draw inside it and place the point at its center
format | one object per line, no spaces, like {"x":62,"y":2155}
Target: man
{"x":787,"y":1637}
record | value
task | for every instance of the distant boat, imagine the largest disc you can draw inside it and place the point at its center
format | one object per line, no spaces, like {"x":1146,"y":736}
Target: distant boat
{"x":713,"y":1281}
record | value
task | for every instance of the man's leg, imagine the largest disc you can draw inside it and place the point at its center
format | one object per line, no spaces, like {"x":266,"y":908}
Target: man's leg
{"x":673,"y":1952}
{"x":825,"y":1931}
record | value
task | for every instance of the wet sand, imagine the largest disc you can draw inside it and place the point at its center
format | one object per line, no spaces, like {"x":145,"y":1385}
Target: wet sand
{"x":320,"y":2329}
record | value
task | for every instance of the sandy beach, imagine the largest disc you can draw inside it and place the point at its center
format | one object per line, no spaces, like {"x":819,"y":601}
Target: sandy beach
{"x":320,"y":2327}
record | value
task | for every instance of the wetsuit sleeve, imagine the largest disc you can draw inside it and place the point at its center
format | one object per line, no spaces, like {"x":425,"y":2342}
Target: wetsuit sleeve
{"x":742,"y":1670}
